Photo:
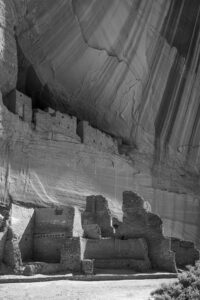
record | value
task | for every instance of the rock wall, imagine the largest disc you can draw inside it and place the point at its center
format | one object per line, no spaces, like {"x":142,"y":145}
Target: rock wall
{"x":22,"y":223}
{"x":130,"y":68}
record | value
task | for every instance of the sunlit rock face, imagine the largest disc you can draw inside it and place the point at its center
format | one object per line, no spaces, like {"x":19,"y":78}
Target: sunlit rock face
{"x":131,"y":68}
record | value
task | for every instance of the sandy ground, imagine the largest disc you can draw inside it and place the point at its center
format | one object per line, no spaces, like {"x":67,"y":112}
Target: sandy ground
{"x":79,"y":290}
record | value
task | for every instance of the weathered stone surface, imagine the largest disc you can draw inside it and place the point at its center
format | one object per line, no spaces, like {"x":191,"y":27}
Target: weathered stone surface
{"x":92,"y":231}
{"x":98,"y":212}
{"x":108,"y":248}
{"x":72,"y":253}
{"x":61,"y":219}
{"x":88,"y":266}
{"x":132,"y":72}
{"x":22,"y":223}
{"x":52,"y":227}
{"x":11,"y":253}
{"x":55,"y":126}
{"x":139,"y":222}
{"x":137,"y":265}
{"x":19,"y":104}
{"x":8,"y":48}
{"x":185,"y":252}
{"x":41,"y":268}
{"x":97,"y":139}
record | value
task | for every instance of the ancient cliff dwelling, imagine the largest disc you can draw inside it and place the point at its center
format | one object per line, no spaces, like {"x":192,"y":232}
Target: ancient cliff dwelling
{"x":99,"y":136}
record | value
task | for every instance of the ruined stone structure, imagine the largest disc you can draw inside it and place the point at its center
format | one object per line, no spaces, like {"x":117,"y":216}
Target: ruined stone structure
{"x":97,"y":139}
{"x":62,"y":239}
{"x":98,"y":98}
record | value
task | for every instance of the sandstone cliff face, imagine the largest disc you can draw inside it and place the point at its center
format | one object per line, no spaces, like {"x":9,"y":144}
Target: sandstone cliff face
{"x":131,"y":68}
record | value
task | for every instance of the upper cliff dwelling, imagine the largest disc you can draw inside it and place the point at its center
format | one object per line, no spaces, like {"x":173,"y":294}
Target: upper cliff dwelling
{"x":99,"y":136}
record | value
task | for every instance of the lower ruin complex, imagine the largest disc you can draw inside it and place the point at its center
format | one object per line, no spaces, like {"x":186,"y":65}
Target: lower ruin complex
{"x":65,"y":239}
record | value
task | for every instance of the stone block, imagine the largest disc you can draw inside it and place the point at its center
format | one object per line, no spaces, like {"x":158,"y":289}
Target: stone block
{"x":88,"y":266}
{"x":41,"y":268}
{"x":92,"y":231}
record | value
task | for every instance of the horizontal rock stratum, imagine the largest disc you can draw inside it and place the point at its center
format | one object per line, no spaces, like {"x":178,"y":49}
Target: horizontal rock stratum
{"x":129,"y":68}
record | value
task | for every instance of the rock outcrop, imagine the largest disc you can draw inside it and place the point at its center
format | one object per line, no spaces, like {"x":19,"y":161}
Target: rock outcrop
{"x":130,"y":68}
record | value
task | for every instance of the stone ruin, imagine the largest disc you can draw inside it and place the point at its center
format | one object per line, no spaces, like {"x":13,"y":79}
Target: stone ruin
{"x":64,"y":239}
{"x":50,"y":124}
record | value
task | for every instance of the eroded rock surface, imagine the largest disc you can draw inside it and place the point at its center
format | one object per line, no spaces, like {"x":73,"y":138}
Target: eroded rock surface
{"x":130,"y":68}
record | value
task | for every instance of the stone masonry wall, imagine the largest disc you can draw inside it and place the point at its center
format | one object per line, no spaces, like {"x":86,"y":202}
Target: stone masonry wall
{"x":97,"y":212}
{"x":185,"y":252}
{"x":96,"y":138}
{"x":110,"y":248}
{"x":47,"y":247}
{"x":62,"y":220}
{"x":55,"y":125}
{"x":19,"y":104}
{"x":52,"y":227}
{"x":139,"y":222}
{"x":72,"y":253}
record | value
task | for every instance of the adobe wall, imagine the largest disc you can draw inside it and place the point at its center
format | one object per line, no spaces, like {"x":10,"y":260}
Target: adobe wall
{"x":96,"y":138}
{"x":22,"y":223}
